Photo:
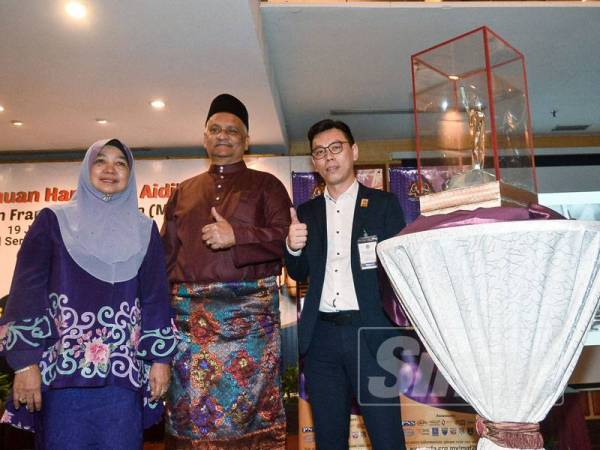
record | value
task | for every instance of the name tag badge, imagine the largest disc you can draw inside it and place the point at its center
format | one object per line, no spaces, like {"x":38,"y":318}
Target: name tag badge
{"x":366,"y":252}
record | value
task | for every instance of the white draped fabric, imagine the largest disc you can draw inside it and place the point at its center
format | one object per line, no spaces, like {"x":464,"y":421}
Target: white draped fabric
{"x":503,"y":308}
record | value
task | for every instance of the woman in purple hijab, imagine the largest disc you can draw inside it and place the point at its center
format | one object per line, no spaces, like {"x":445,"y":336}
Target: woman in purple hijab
{"x":87,"y":324}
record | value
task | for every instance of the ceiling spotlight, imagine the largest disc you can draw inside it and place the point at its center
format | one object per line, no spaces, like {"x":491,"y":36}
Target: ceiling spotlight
{"x":76,"y":10}
{"x":16,"y":123}
{"x":102,"y":121}
{"x":1,"y":108}
{"x":157,"y":104}
{"x":454,"y":77}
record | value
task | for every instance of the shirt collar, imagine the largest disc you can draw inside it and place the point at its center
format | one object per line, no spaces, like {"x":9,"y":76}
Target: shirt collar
{"x":227,"y":169}
{"x":352,"y":191}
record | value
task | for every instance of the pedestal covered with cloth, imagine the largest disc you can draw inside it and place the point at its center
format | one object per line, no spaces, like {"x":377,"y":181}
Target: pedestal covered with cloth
{"x":503,"y":303}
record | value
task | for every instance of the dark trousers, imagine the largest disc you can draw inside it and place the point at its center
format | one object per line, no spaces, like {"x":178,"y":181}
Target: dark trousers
{"x":331,"y":370}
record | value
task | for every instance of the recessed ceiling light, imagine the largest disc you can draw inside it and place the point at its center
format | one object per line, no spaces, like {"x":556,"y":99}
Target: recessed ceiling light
{"x":454,"y":77}
{"x":76,"y":10}
{"x":102,"y":121}
{"x":1,"y":108}
{"x":157,"y":104}
{"x":16,"y":123}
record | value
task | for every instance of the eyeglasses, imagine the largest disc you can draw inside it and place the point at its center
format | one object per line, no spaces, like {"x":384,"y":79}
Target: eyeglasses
{"x":334,"y":148}
{"x":232,"y":132}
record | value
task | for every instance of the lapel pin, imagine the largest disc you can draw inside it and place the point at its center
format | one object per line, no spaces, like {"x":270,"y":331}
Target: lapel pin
{"x":364,"y":202}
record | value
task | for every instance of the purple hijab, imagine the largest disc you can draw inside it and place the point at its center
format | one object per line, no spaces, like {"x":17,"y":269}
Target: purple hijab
{"x":105,"y":235}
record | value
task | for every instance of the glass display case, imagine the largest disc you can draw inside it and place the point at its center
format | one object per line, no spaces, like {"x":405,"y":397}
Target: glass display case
{"x":471,"y":110}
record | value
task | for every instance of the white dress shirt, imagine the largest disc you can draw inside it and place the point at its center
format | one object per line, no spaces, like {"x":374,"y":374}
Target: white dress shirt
{"x":338,"y":287}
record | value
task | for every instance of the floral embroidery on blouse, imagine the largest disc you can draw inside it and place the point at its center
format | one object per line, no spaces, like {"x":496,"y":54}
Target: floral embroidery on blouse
{"x":102,"y":344}
{"x":8,"y":417}
{"x":28,"y":332}
{"x":162,"y":342}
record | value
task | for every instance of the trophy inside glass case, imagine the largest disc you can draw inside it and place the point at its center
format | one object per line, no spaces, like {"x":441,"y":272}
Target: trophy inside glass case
{"x":475,"y":124}
{"x":472,"y":111}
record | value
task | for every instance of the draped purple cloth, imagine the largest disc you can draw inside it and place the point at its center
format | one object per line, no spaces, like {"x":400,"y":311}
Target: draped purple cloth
{"x":481,"y":215}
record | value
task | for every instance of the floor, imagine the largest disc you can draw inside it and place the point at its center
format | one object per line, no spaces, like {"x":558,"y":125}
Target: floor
{"x":291,"y":444}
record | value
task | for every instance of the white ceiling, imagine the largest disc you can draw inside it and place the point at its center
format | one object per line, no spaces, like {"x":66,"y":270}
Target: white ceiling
{"x":291,"y":64}
{"x":58,"y":76}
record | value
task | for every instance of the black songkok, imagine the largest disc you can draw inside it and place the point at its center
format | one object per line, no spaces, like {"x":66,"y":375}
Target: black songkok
{"x":229,"y":104}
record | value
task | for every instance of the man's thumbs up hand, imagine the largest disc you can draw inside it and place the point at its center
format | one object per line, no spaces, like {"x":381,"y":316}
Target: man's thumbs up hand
{"x":294,"y":216}
{"x":218,"y":217}
{"x":297,"y":233}
{"x":218,"y":235}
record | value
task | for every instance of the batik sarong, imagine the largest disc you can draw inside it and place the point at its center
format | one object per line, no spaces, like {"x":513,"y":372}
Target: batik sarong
{"x":225,"y":390}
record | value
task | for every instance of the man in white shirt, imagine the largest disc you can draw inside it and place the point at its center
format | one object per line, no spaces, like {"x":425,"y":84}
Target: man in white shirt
{"x":332,"y":241}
